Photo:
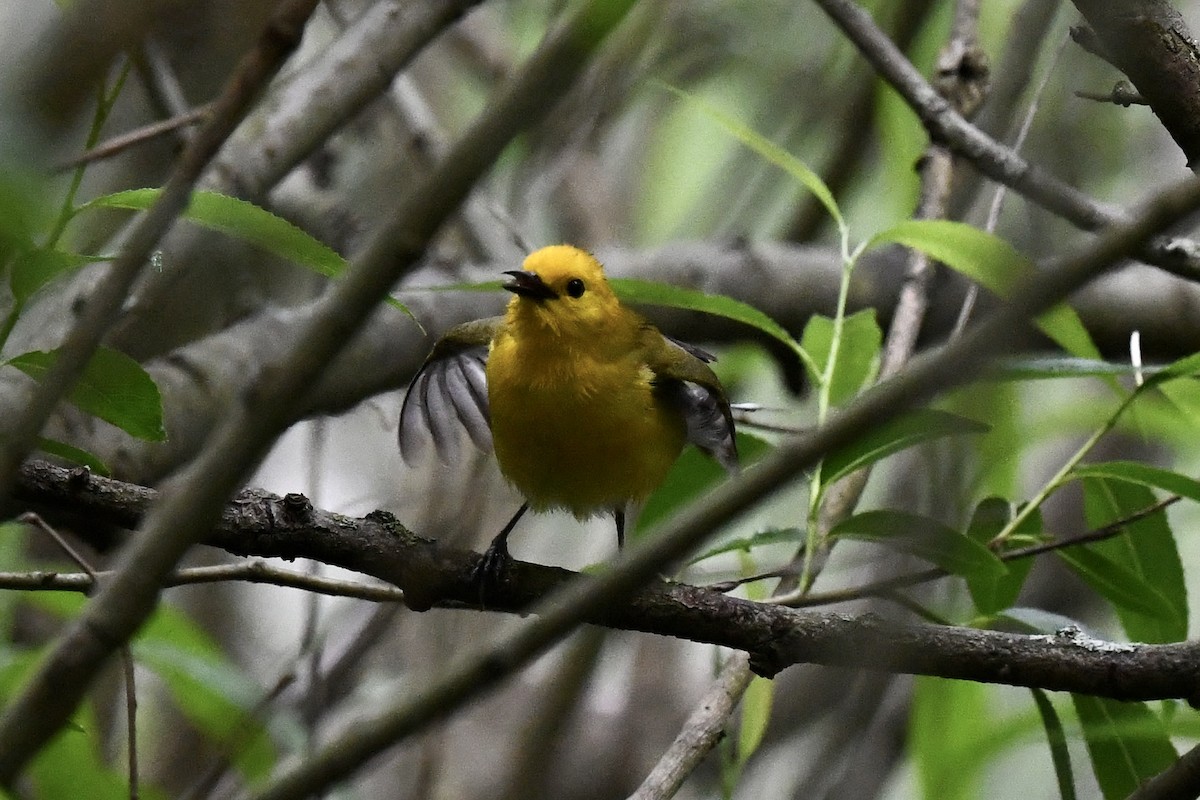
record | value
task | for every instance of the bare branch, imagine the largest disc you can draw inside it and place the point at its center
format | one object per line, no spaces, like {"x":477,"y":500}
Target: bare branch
{"x":989,"y":157}
{"x":1149,"y":41}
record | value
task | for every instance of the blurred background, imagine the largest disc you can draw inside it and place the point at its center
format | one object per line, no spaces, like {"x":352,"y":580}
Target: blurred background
{"x":658,"y":190}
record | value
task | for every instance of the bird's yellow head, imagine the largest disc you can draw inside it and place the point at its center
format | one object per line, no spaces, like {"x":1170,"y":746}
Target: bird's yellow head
{"x":563,"y":288}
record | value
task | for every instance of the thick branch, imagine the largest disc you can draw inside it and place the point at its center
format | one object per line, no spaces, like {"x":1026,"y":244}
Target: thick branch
{"x":270,"y":403}
{"x":1149,"y":41}
{"x":261,"y":524}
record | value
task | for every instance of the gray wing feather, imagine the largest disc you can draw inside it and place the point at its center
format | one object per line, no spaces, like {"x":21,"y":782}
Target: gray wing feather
{"x":709,"y":426}
{"x":448,"y":395}
{"x":471,"y":407}
{"x":706,"y":411}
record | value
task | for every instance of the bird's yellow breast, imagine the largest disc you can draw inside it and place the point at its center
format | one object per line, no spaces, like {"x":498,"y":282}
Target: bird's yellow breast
{"x":581,"y":427}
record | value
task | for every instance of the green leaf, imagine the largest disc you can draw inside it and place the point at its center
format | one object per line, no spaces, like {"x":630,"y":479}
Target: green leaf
{"x":213,"y":693}
{"x":1127,"y":743}
{"x":245,"y":221}
{"x":768,"y":150}
{"x":1186,"y":367}
{"x":947,"y":723}
{"x":1057,"y":740}
{"x":1143,"y":474}
{"x":653,"y":293}
{"x":1138,"y":571}
{"x":33,"y":270}
{"x":692,"y":475}
{"x":745,"y":544}
{"x":242,"y":220}
{"x":64,"y":450}
{"x":1120,"y":586}
{"x":71,"y":766}
{"x":858,"y":352}
{"x":911,"y":429}
{"x":113,"y":387}
{"x":756,"y":713}
{"x":995,"y":593}
{"x":994,"y":264}
{"x":217,"y":697}
{"x":925,"y":538}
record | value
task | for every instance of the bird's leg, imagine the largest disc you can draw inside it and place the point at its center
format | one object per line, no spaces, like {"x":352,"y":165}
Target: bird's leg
{"x":619,"y":515}
{"x":490,"y":569}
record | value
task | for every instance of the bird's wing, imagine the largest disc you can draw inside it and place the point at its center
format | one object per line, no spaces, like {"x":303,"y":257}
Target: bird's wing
{"x":681,"y":372}
{"x":449,"y":393}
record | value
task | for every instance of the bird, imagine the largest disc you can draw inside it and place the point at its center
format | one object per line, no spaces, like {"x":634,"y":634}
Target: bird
{"x":585,"y":403}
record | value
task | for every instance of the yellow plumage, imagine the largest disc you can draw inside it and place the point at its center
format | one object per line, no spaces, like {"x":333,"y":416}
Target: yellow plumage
{"x":586,"y":404}
{"x":577,"y":422}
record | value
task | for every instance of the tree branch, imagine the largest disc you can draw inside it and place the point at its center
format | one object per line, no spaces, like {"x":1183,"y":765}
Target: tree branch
{"x":1149,"y":41}
{"x":998,"y":162}
{"x":257,"y":523}
{"x":271,"y":401}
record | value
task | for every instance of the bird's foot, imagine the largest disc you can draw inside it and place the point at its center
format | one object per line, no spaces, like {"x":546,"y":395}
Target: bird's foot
{"x":488,"y":574}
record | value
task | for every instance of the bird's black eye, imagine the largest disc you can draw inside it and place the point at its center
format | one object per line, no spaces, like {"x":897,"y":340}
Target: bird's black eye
{"x":575,"y":287}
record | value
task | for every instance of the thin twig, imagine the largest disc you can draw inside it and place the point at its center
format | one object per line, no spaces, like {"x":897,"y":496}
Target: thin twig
{"x":993,"y":218}
{"x":117,"y":144}
{"x":700,"y":734}
{"x":1122,"y":94}
{"x":887,"y":585}
{"x":236,"y":742}
{"x":1174,"y":255}
{"x":246,"y":571}
{"x":93,"y":579}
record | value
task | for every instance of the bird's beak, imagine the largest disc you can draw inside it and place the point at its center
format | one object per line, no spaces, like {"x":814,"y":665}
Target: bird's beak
{"x":529,"y":284}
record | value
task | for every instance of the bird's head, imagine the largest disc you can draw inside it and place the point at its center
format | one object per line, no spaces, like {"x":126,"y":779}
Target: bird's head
{"x":563,"y":288}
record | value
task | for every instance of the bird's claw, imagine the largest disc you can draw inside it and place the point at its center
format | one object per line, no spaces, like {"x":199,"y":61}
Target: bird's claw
{"x":488,"y":574}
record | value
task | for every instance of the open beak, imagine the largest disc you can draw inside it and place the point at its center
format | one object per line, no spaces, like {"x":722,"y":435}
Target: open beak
{"x":529,"y":284}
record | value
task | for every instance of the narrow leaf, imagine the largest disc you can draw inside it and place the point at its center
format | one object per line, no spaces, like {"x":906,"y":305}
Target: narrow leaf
{"x":768,"y":150}
{"x":245,"y":221}
{"x":242,"y":220}
{"x":1143,"y":474}
{"x":1117,"y":584}
{"x":994,"y":593}
{"x":756,"y":713}
{"x":1054,"y":367}
{"x":217,"y":697}
{"x":1126,"y":741}
{"x":923,"y":425}
{"x":925,"y":538}
{"x":33,"y":270}
{"x":745,"y":544}
{"x":1140,"y":566}
{"x":949,"y":720}
{"x":692,"y":475}
{"x":654,"y":293}
{"x":64,"y":450}
{"x":994,"y":264}
{"x":1057,"y":740}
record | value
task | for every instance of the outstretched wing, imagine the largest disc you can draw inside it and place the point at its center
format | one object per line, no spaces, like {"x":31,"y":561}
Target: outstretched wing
{"x":681,"y":373}
{"x":449,"y":394}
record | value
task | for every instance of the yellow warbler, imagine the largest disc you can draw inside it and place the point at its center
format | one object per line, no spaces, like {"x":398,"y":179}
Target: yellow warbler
{"x":586,"y":403}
